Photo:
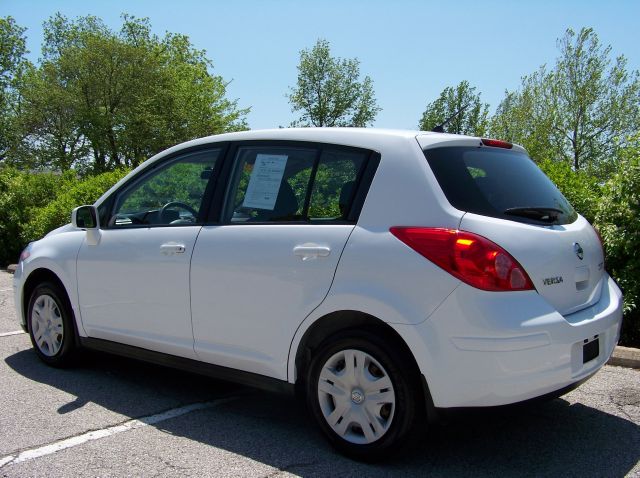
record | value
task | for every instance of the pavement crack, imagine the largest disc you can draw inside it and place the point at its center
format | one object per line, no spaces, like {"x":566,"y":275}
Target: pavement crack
{"x":622,"y":398}
{"x":167,"y":465}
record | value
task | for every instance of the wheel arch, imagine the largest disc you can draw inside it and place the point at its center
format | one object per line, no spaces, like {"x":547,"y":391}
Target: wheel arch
{"x":38,"y":276}
{"x":338,"y":321}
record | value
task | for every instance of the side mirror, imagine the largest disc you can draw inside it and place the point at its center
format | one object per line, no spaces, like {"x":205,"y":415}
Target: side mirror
{"x":85,"y":217}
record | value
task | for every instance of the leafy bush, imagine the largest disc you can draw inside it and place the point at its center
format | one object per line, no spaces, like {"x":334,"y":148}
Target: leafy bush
{"x":75,"y":193}
{"x":618,"y":220}
{"x":581,"y":189}
{"x":32,"y":204}
{"x":21,"y":194}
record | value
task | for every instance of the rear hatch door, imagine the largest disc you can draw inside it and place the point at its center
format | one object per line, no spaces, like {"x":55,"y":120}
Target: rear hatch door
{"x":565,"y":263}
{"x":510,"y":201}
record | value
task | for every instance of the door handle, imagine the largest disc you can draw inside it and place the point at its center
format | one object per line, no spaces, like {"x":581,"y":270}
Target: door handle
{"x":171,"y":248}
{"x":311,"y":251}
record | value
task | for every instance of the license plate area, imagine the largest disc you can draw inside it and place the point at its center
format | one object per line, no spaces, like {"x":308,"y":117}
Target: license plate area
{"x":590,"y":349}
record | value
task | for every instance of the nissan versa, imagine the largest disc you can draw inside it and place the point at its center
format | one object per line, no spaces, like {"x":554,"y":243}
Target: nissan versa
{"x":381,"y":274}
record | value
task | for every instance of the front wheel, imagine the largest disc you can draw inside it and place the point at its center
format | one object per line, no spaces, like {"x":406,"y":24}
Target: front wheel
{"x":362,"y":394}
{"x":50,"y":321}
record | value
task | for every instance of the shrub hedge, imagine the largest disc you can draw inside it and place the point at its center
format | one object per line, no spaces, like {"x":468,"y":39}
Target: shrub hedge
{"x":32,"y":204}
{"x":21,"y":194}
{"x":75,"y":193}
{"x":618,"y":220}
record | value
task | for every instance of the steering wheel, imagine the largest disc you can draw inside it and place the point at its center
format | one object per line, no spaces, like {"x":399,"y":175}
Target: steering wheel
{"x":178,"y":205}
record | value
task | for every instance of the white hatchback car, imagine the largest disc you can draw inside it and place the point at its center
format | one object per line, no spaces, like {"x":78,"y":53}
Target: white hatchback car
{"x":384,"y":274}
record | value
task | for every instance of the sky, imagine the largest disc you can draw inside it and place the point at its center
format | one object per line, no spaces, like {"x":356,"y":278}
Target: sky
{"x":411,"y":50}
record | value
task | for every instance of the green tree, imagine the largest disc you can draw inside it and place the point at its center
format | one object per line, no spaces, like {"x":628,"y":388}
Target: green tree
{"x":576,"y":111}
{"x":472,"y":117}
{"x":523,"y":117}
{"x":52,"y":137}
{"x":12,"y":67}
{"x":101,"y":99}
{"x":329,"y":91}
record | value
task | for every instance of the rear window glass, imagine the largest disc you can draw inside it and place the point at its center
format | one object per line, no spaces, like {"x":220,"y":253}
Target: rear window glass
{"x":498,"y":183}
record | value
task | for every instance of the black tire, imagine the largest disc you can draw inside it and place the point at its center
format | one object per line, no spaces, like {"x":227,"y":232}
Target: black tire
{"x":398,"y":418}
{"x":50,"y":322}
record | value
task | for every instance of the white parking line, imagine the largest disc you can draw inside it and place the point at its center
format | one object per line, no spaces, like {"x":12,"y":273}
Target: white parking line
{"x":6,"y":290}
{"x":106,"y":432}
{"x":15,"y":332}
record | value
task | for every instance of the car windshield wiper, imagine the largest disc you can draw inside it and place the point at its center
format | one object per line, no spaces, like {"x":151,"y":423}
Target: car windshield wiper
{"x":547,"y":214}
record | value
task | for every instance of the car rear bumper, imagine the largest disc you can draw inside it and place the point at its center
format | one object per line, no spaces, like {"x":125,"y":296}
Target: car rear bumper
{"x":488,"y":349}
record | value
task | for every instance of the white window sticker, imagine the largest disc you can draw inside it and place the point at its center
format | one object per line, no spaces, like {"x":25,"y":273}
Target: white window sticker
{"x":265,"y":180}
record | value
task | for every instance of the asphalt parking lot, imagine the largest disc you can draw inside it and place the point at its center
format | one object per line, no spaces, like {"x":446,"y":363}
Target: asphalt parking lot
{"x":117,"y":417}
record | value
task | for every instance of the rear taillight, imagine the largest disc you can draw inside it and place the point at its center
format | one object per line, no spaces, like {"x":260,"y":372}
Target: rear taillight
{"x":471,"y":258}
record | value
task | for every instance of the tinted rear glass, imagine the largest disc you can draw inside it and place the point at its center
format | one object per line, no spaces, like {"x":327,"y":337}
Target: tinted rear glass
{"x":499,"y":183}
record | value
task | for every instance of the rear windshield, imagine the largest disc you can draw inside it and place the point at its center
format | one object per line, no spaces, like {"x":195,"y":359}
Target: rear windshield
{"x":498,"y":183}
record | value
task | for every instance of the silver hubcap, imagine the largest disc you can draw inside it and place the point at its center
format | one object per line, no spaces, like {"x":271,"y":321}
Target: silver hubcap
{"x":46,"y":325}
{"x":356,"y":396}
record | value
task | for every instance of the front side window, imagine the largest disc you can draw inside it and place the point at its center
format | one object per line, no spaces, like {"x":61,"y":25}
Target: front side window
{"x":169,"y":195}
{"x":289,"y":184}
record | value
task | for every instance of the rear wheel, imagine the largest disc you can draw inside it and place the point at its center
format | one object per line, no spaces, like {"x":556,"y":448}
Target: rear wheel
{"x":362,"y":394}
{"x":50,"y":321}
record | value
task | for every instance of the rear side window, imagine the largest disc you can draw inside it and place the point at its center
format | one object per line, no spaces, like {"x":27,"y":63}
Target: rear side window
{"x":498,"y":183}
{"x":294,"y":184}
{"x":334,"y":185}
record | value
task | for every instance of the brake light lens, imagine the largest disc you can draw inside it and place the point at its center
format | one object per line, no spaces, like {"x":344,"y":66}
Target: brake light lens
{"x":496,"y":143}
{"x":471,"y":258}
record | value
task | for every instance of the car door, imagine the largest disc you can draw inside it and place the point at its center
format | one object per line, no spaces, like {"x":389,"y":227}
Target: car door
{"x":133,"y":286}
{"x":257,"y":273}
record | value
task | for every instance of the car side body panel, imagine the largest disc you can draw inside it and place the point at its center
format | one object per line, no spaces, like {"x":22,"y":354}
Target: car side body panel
{"x":57,"y":252}
{"x":377,"y":274}
{"x":133,"y":287}
{"x":250,"y":290}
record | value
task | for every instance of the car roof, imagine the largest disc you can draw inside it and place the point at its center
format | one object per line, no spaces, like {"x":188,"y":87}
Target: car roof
{"x":357,"y":136}
{"x":370,"y":138}
{"x":312,"y":134}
